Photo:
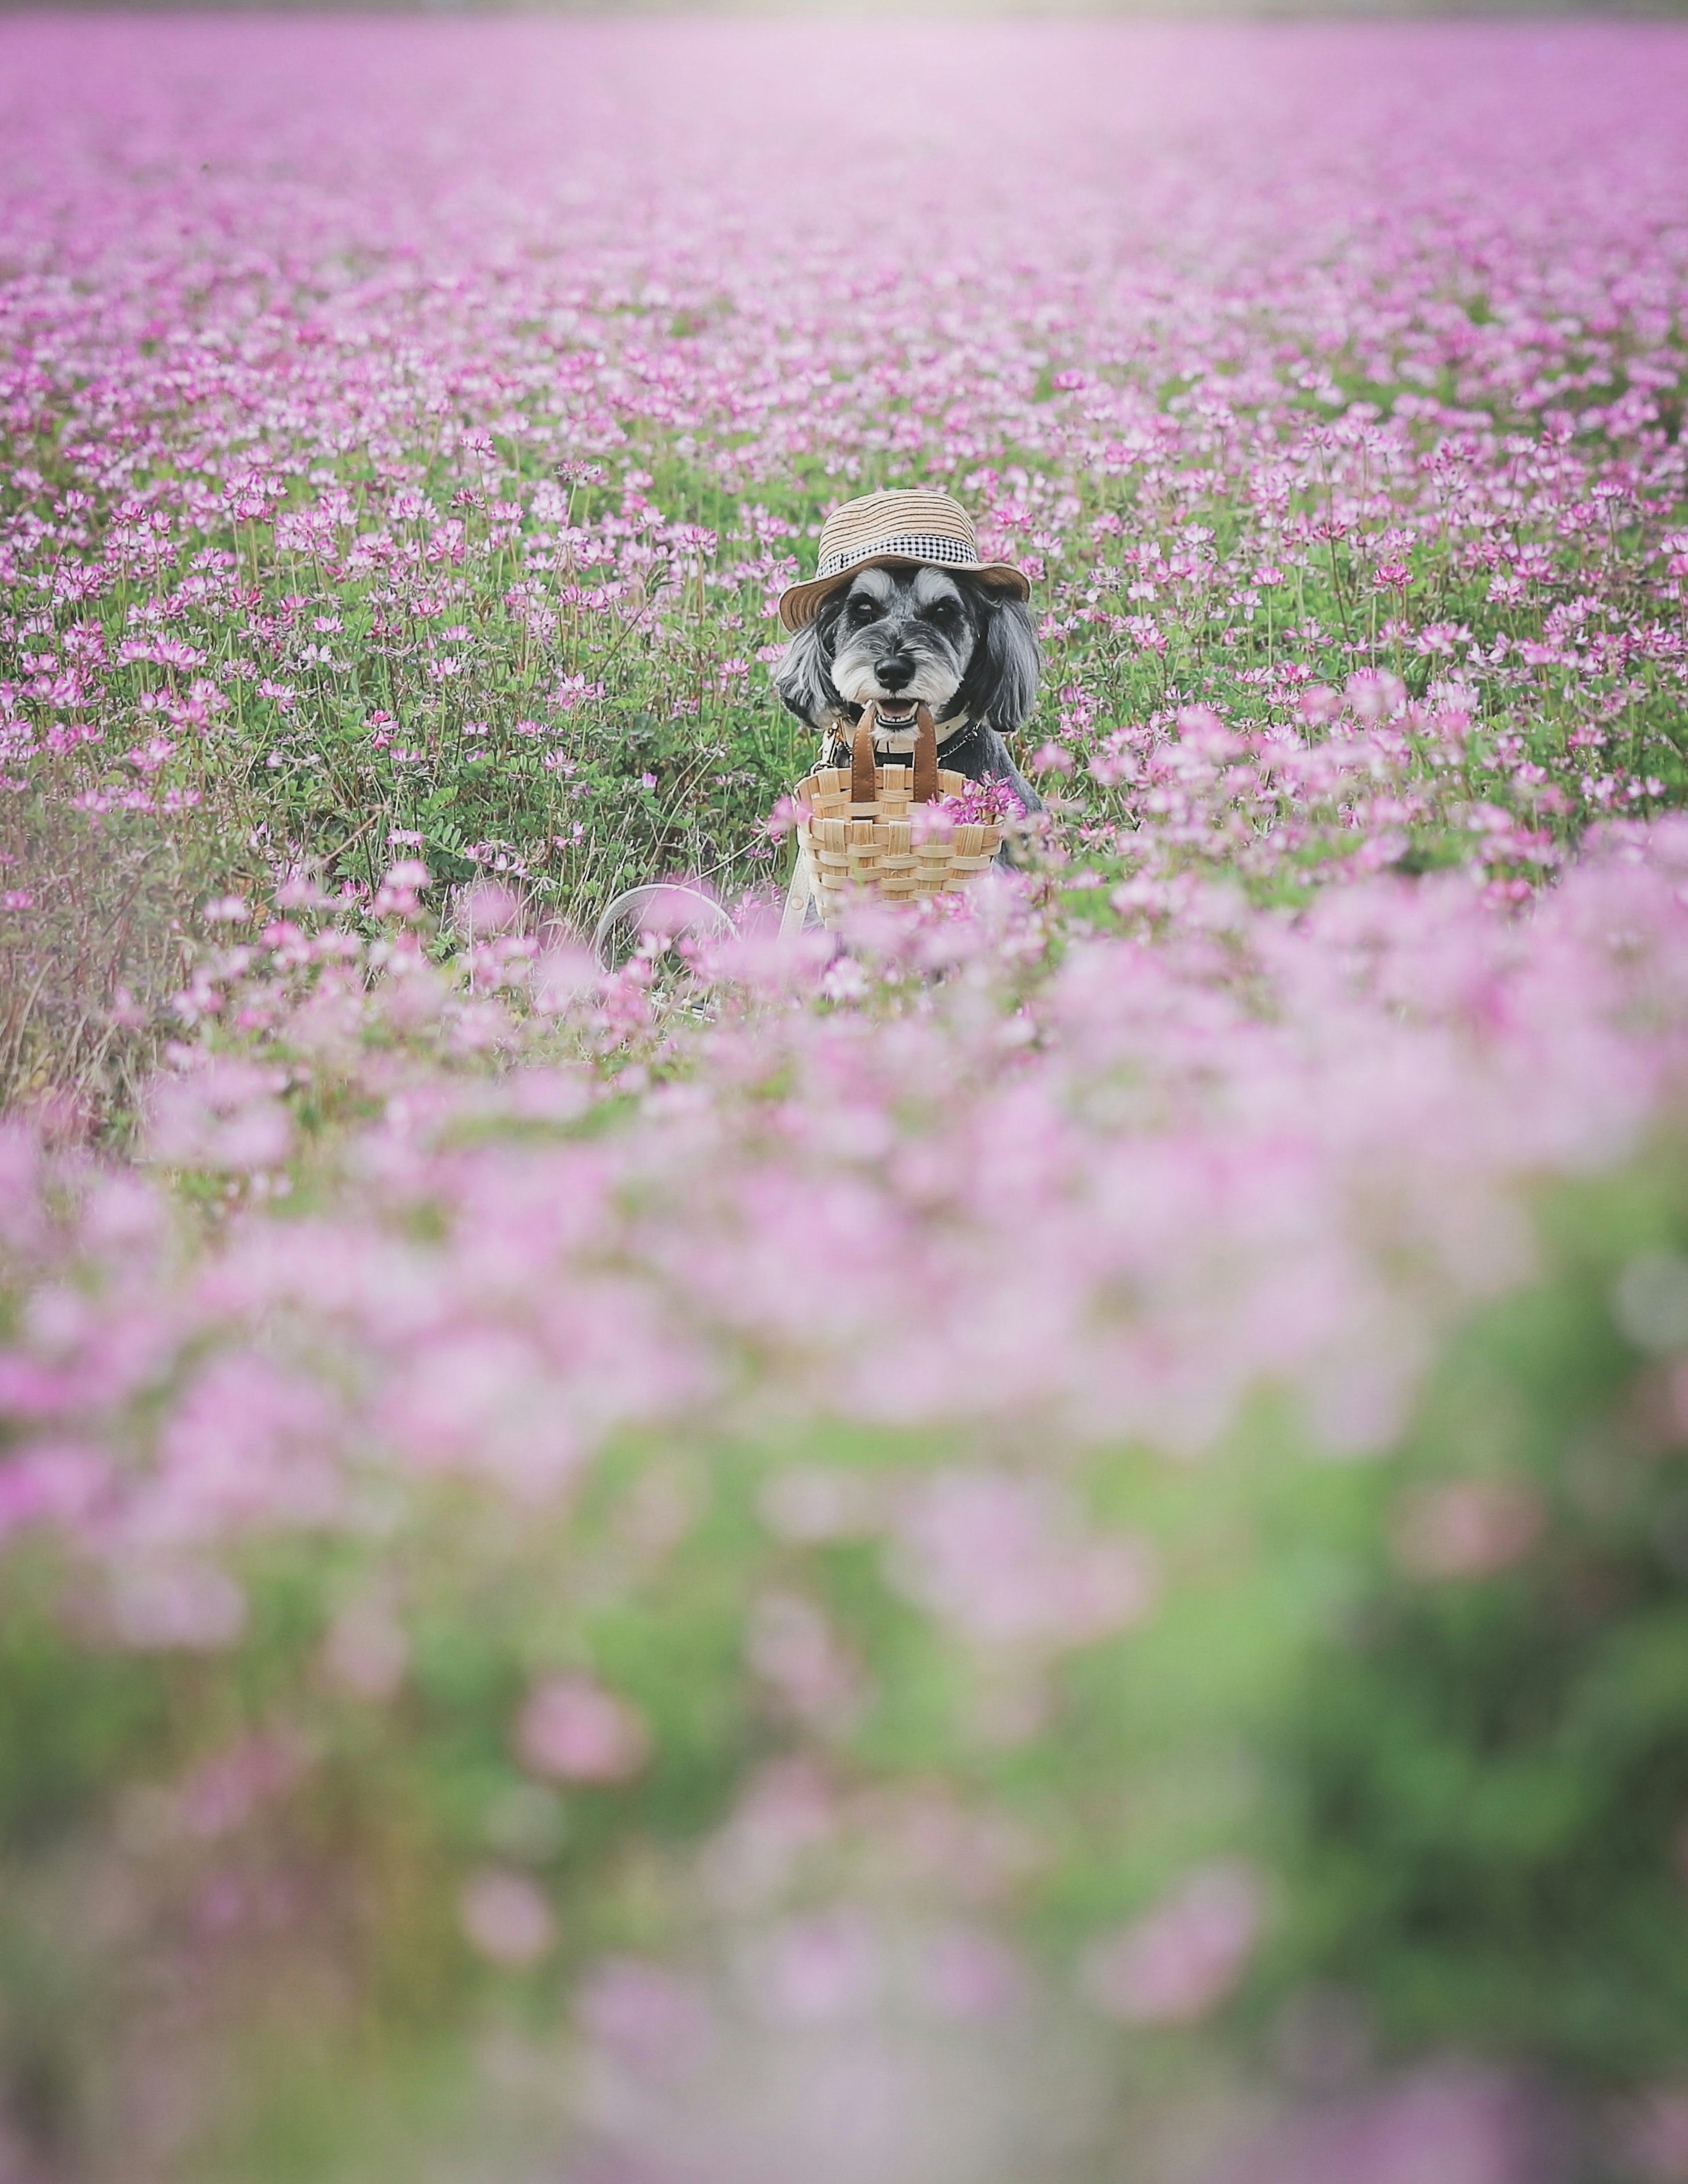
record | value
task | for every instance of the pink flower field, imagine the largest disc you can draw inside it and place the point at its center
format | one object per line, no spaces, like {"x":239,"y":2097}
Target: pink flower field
{"x":1048,"y":1542}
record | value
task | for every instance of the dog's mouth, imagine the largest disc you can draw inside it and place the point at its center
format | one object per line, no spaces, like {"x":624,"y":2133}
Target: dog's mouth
{"x":896,"y":712}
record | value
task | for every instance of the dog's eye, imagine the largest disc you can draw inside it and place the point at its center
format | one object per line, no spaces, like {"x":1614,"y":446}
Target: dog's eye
{"x":945,"y":613}
{"x":864,"y":608}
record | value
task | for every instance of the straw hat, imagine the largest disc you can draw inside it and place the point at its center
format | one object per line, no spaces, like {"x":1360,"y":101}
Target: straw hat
{"x":890,"y":528}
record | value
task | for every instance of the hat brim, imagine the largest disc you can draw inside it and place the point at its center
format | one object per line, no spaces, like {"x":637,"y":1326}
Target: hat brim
{"x":797,"y":602}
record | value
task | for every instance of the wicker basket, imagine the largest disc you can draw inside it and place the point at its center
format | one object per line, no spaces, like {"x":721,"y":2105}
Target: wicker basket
{"x":857,"y":828}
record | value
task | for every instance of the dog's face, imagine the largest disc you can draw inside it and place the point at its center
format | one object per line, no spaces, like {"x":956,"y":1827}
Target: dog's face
{"x":904,"y":637}
{"x":909,"y":636}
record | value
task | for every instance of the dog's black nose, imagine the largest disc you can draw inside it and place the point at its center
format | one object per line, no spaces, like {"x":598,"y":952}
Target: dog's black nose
{"x":896,"y":672}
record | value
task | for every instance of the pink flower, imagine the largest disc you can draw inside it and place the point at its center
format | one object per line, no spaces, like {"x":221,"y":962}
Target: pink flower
{"x":967,"y":1973}
{"x":507,"y":1917}
{"x":572,"y":1730}
{"x":224,"y":1116}
{"x":640,"y":2010}
{"x":367,"y":1651}
{"x":1006,"y":1562}
{"x":819,"y":1970}
{"x":1470,"y":1527}
{"x":398,"y":892}
{"x":1652,"y":2134}
{"x":158,"y":1606}
{"x":1181,"y":1959}
{"x":487,"y":908}
{"x":222,"y":1794}
{"x":990,"y":803}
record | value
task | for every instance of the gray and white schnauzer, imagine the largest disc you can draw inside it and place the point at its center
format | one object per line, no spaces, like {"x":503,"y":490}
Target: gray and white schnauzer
{"x":904,"y":613}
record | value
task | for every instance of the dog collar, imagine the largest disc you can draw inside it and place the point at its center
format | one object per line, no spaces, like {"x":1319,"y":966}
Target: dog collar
{"x":901,"y":741}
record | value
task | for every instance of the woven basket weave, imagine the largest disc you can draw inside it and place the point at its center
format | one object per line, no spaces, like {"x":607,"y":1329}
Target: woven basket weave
{"x":857,"y":828}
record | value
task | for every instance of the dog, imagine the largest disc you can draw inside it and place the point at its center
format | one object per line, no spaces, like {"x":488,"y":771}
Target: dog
{"x":906,"y":636}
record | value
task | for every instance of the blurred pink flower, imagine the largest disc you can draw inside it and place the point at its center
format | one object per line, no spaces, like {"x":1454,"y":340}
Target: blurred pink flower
{"x":795,"y":1651}
{"x":1451,"y":2123}
{"x":399,"y":892}
{"x":225,"y":1115}
{"x":1008,"y":1563}
{"x":507,"y":1917}
{"x":574,"y":1731}
{"x":367,"y":1650}
{"x":222,"y":1794}
{"x":487,"y":908}
{"x":821,"y":1970}
{"x":49,"y":1482}
{"x":641,"y":2010}
{"x":1180,"y":1960}
{"x":966,"y":1973}
{"x":158,"y":1607}
{"x":1468,"y":1528}
{"x":1651,"y":2134}
{"x":785,"y":814}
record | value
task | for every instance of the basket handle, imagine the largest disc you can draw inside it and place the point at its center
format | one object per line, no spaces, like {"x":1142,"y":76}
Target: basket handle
{"x":864,"y":784}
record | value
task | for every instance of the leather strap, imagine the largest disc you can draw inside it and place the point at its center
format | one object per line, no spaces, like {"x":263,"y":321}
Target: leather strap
{"x":925,"y":759}
{"x":864,"y":786}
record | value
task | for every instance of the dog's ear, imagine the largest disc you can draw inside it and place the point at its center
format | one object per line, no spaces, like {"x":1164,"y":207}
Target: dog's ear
{"x":803,"y":677}
{"x":1000,"y":686}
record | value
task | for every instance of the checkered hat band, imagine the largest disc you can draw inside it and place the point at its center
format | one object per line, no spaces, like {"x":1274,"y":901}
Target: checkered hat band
{"x":918,"y":546}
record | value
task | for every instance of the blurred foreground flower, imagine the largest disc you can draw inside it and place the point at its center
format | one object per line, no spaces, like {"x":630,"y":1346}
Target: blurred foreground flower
{"x":507,"y":1918}
{"x":572,"y":1730}
{"x":1179,"y":1961}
